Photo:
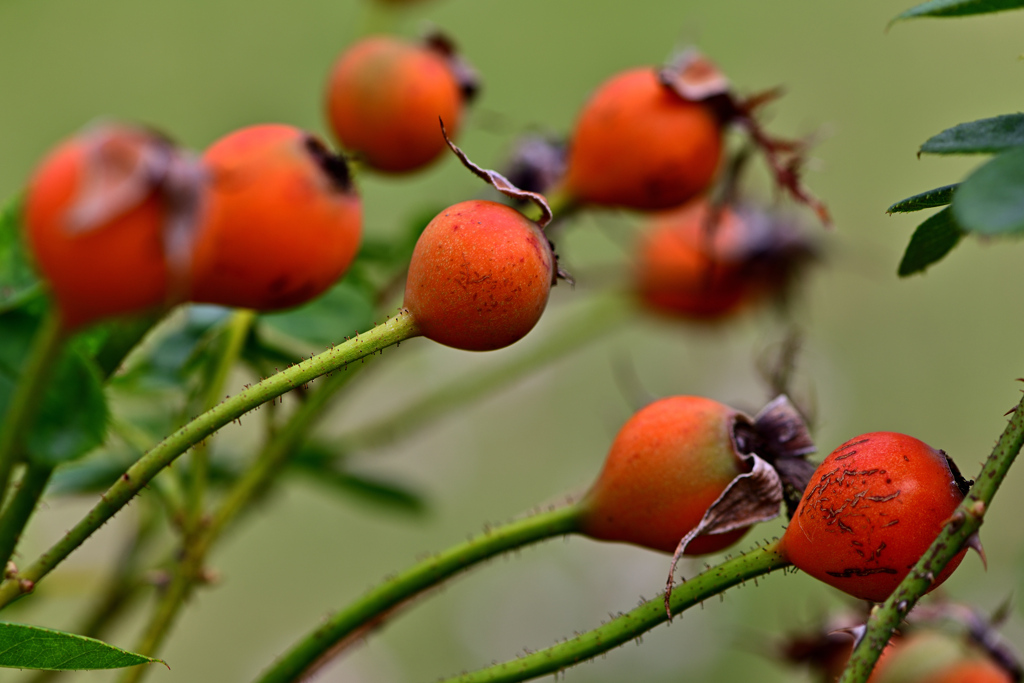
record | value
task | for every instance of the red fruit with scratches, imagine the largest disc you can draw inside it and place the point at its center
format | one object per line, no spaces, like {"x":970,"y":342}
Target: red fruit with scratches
{"x":282,"y":221}
{"x":667,"y":465}
{"x":479,"y":277}
{"x":115,"y":267}
{"x":870,"y":511}
{"x":384,"y":98}
{"x":638,"y":144}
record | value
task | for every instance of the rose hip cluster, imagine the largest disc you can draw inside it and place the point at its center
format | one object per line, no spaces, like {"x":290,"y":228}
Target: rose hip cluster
{"x":122,"y":221}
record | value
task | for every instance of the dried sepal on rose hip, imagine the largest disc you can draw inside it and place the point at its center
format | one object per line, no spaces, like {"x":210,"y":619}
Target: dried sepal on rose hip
{"x":707,"y":262}
{"x":109,"y":218}
{"x":385,"y":94}
{"x":652,"y":138}
{"x":872,"y":508}
{"x":481,"y":272}
{"x":281,"y":223}
{"x":689,"y":475}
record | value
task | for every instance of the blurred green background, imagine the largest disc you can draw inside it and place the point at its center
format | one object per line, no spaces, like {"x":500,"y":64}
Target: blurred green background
{"x":934,"y":356}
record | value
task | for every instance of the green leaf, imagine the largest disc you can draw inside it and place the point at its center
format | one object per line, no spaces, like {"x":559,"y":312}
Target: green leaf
{"x":329,"y":319}
{"x":991,"y":200}
{"x":985,"y":136}
{"x":940,"y":196}
{"x":19,"y":328}
{"x":72,"y":419}
{"x":33,"y":647}
{"x":17,"y":276}
{"x":932,"y":240}
{"x":957,"y":8}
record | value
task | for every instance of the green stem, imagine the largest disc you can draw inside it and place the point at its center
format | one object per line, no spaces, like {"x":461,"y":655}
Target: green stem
{"x":964,"y":522}
{"x":17,"y":513}
{"x":237,"y":329}
{"x":373,"y":608}
{"x":600,"y":317}
{"x":188,"y":571}
{"x":395,"y":330}
{"x":21,"y":410}
{"x":633,"y":624}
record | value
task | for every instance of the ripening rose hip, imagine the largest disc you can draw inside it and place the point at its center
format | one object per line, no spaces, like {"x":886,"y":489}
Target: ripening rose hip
{"x":934,"y":656}
{"x":667,"y":465}
{"x":687,"y":267}
{"x":638,"y":144}
{"x":282,"y":221}
{"x":479,"y":277}
{"x":384,"y":99}
{"x":98,"y":218}
{"x":870,"y":511}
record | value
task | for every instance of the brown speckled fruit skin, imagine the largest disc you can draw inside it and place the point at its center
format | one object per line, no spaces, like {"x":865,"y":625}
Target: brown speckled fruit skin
{"x":872,"y":508}
{"x":667,"y":465}
{"x":384,"y":99}
{"x":639,"y":145}
{"x":480,"y":276}
{"x":277,"y":231}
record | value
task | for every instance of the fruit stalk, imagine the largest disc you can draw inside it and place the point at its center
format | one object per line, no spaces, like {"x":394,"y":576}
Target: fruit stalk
{"x":370,"y":610}
{"x":632,"y":624}
{"x":964,"y":522}
{"x":395,"y":330}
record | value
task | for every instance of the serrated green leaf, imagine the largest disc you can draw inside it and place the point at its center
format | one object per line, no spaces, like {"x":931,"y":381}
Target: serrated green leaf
{"x":991,"y":200}
{"x":984,"y":136}
{"x":957,"y":8}
{"x":341,"y":312}
{"x":932,"y":240}
{"x":17,"y":277}
{"x":940,"y":196}
{"x":72,"y":419}
{"x":33,"y":647}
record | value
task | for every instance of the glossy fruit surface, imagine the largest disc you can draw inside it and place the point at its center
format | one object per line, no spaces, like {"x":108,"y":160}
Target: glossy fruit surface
{"x":101,"y":252}
{"x":282,"y":220}
{"x":480,"y":276}
{"x":870,"y":511}
{"x":384,"y":99}
{"x":638,"y":144}
{"x":667,"y":465}
{"x":696,"y":264}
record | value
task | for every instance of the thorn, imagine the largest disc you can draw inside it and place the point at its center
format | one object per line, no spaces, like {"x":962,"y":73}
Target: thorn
{"x":974,"y":543}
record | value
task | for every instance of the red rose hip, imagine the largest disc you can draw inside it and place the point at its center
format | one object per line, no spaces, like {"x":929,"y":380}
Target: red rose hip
{"x":479,"y":277}
{"x":667,"y":465}
{"x":639,"y":144}
{"x":385,"y":95}
{"x":282,"y":221}
{"x":870,"y":511}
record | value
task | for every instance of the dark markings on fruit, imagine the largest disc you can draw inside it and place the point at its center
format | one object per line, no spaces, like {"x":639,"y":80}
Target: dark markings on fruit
{"x":861,"y":571}
{"x":843,"y":527}
{"x":892,"y":523}
{"x":884,"y":499}
{"x":868,"y":473}
{"x":851,"y":444}
{"x":333,"y":165}
{"x":844,"y":456}
{"x":879,"y":549}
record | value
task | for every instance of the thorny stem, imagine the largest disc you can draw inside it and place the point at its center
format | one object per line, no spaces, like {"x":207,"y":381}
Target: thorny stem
{"x":238,"y":328}
{"x":958,"y":529}
{"x":120,"y":589}
{"x":632,"y":624}
{"x":189,"y":570}
{"x":373,"y":608}
{"x":395,"y":330}
{"x":602,"y":317}
{"x":25,"y":400}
